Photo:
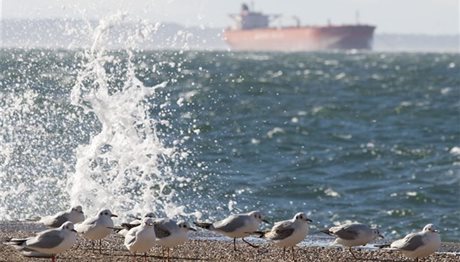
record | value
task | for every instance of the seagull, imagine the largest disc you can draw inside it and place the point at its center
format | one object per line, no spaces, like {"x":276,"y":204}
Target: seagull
{"x":47,"y":243}
{"x":289,"y":233}
{"x":98,"y":227}
{"x":353,"y":234}
{"x":169,"y":233}
{"x":420,"y":244}
{"x":141,"y":238}
{"x":236,"y":226}
{"x":74,"y":215}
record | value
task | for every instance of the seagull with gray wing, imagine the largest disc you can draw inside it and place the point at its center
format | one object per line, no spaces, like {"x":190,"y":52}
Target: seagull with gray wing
{"x":289,"y":233}
{"x":141,"y":238}
{"x":170,"y":234}
{"x":236,"y":226}
{"x":98,"y":227}
{"x":47,"y":243}
{"x":418,"y":245}
{"x":74,"y":215}
{"x":353,"y":234}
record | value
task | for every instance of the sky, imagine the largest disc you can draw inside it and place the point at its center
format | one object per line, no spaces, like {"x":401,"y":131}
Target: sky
{"x":432,"y":17}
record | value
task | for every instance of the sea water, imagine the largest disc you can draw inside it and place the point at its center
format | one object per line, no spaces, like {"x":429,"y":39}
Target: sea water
{"x":343,"y":136}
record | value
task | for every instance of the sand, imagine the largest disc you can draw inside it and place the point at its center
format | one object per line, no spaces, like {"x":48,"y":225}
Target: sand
{"x":202,"y":249}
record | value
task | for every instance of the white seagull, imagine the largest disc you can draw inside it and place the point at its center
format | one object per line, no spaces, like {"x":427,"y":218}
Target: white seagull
{"x":420,"y":244}
{"x":169,"y":233}
{"x":74,"y":215}
{"x":289,"y":233}
{"x":141,"y":238}
{"x":236,"y":226}
{"x":353,"y":234}
{"x":47,"y":243}
{"x":98,"y":227}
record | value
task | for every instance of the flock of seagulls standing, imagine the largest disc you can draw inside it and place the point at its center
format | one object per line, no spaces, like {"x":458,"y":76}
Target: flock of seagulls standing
{"x":144,"y":233}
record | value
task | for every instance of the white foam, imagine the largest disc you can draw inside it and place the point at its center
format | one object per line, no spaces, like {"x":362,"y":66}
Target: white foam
{"x":123,"y":167}
{"x":455,"y":151}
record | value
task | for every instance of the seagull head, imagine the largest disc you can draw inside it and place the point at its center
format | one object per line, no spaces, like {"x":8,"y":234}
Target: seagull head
{"x":377,"y":234}
{"x":106,"y":213}
{"x":258,"y":216}
{"x":185,"y":226}
{"x":430,"y":228}
{"x":77,"y":209}
{"x":302,"y":217}
{"x":149,"y":214}
{"x":68,"y":226}
{"x":148,"y":222}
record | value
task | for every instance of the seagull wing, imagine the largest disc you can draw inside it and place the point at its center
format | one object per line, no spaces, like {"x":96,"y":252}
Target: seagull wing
{"x":86,"y":225}
{"x":131,"y":236}
{"x":47,"y":239}
{"x":231,"y":223}
{"x":348,"y":232}
{"x":161,"y":230}
{"x":59,"y":220}
{"x":410,"y":243}
{"x":281,"y":230}
{"x":56,"y":220}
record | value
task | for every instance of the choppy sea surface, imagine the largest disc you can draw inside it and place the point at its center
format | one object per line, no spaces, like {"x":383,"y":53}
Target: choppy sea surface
{"x":344,"y":136}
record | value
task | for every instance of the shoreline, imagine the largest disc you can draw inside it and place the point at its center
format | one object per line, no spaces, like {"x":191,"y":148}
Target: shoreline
{"x":212,"y":247}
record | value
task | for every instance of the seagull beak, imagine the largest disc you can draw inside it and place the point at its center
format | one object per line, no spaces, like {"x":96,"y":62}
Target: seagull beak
{"x":308,"y":220}
{"x":193,"y":229}
{"x":266,"y":221}
{"x":381,"y":236}
{"x":113,"y":215}
{"x":73,"y":230}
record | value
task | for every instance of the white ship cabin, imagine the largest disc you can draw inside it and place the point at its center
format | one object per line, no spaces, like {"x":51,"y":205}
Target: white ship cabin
{"x":250,"y":20}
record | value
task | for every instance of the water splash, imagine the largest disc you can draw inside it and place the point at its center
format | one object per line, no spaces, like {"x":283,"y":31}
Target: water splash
{"x":125,"y":167}
{"x":82,"y":128}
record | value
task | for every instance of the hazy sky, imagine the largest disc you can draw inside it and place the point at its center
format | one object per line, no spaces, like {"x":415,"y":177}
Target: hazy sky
{"x":390,"y":16}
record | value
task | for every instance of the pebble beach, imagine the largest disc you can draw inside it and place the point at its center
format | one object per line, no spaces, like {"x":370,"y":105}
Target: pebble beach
{"x":200,"y":248}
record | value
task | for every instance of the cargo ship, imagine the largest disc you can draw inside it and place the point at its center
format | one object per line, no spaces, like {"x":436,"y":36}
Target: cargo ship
{"x":252,"y":32}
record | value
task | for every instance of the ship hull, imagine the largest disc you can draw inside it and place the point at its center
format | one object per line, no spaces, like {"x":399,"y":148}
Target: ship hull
{"x":294,"y":39}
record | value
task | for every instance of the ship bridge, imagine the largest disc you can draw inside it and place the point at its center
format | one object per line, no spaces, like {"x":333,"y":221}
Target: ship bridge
{"x":247,"y":19}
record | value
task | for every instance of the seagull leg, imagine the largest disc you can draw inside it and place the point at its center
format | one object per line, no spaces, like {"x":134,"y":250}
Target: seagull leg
{"x":293,"y":254}
{"x":252,"y":245}
{"x":284,"y":252}
{"x":351,"y":251}
{"x":234,"y":244}
{"x":169,"y":258}
{"x":53,"y":259}
{"x":100,"y":246}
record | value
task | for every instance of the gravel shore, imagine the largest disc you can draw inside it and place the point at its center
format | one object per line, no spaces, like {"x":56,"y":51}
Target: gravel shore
{"x":200,"y":249}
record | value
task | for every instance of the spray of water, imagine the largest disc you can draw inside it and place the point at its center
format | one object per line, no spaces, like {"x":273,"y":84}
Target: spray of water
{"x":125,"y":167}
{"x":100,"y":147}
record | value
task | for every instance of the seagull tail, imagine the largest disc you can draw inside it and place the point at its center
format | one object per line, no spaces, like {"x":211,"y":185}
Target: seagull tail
{"x":260,"y":233}
{"x":127,"y":226}
{"x":116,"y":229}
{"x":382,"y":245}
{"x":326,"y":231}
{"x":15,"y":241}
{"x":33,"y":219}
{"x":203,"y":225}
